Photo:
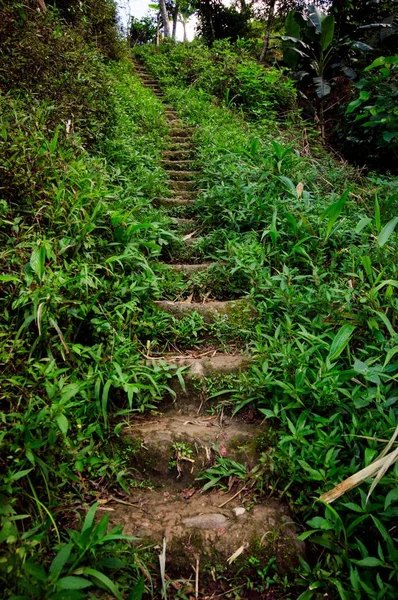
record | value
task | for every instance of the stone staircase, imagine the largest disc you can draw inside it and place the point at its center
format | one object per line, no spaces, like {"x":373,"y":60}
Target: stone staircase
{"x":214,"y":533}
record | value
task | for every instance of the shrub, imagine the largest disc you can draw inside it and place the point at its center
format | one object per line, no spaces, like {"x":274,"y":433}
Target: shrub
{"x":371,"y":120}
{"x":226,"y":71}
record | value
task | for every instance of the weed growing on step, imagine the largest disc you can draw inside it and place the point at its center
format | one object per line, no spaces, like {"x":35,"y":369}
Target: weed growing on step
{"x":315,"y":244}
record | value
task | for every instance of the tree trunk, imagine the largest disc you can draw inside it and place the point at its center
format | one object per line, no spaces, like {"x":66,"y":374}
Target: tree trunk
{"x":165,"y":18}
{"x":175,"y":19}
{"x":267,"y":33}
{"x":42,"y":5}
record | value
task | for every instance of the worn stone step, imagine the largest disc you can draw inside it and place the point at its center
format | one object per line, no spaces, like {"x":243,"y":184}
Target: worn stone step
{"x":180,"y":174}
{"x":182,"y":165}
{"x":181,"y":131}
{"x":232,"y":310}
{"x":185,"y":225}
{"x":175,"y":201}
{"x":180,"y":140}
{"x":174,"y":446}
{"x":183,"y":185}
{"x":177,"y":155}
{"x":209,"y":363}
{"x":202,"y":531}
{"x":181,"y":146}
{"x":189,"y":269}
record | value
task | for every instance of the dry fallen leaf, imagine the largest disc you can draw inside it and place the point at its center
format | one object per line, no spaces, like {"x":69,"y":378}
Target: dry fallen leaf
{"x":237,"y":553}
{"x":188,"y":493}
{"x":222,"y":450}
{"x":299,"y":189}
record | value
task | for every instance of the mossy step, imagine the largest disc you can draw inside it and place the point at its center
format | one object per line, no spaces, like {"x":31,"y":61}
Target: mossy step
{"x":175,"y":201}
{"x":177,"y":155}
{"x":209,"y":364}
{"x":233,"y":310}
{"x":202,"y":531}
{"x":182,"y":131}
{"x":189,"y":269}
{"x":183,"y":165}
{"x":185,"y":224}
{"x":158,"y":439}
{"x":178,"y":140}
{"x":181,"y":145}
{"x":179,"y":174}
{"x":184,"y":185}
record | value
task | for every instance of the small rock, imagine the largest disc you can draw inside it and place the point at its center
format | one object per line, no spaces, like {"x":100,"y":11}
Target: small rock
{"x":239,"y":511}
{"x":209,"y":521}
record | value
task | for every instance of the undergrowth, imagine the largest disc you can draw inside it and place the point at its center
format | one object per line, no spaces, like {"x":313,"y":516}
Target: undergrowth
{"x":79,"y":155}
{"x":314,"y":244}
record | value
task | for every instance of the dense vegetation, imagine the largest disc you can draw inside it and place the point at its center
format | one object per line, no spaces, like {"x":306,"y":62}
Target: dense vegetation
{"x":314,"y":243}
{"x":309,"y":240}
{"x":80,"y":143}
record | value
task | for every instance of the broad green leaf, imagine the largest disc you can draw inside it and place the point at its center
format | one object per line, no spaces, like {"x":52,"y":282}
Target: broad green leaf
{"x":138,"y":590}
{"x":60,"y":560}
{"x":89,"y":519}
{"x":386,"y":232}
{"x":377,"y":214}
{"x":69,"y":391}
{"x":391,"y":497}
{"x":340,"y":341}
{"x":7,"y":278}
{"x":320,"y":523}
{"x":362,"y":224}
{"x":327,"y":31}
{"x":333,"y":211}
{"x":36,"y":571}
{"x":37,"y":261}
{"x":369,"y":561}
{"x":20,"y":474}
{"x":72,"y":582}
{"x":62,"y":423}
{"x":316,"y":17}
{"x":108,"y":583}
{"x":389,"y":135}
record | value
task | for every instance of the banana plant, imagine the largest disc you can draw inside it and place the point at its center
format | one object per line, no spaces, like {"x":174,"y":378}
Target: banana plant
{"x":318,"y":30}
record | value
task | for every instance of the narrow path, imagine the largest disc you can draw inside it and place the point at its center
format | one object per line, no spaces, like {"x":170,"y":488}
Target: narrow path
{"x":173,"y":449}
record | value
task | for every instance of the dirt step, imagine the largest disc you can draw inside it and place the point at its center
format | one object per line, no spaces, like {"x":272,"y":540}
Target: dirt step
{"x":183,"y":145}
{"x":177,"y":155}
{"x":182,"y":131}
{"x":229,"y":309}
{"x":173,"y":446}
{"x":198,"y":530}
{"x":208,"y":364}
{"x":185,"y":224}
{"x":179,"y":174}
{"x":183,"y":185}
{"x":175,"y":201}
{"x":188,"y":269}
{"x":183,"y":165}
{"x":180,"y":140}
